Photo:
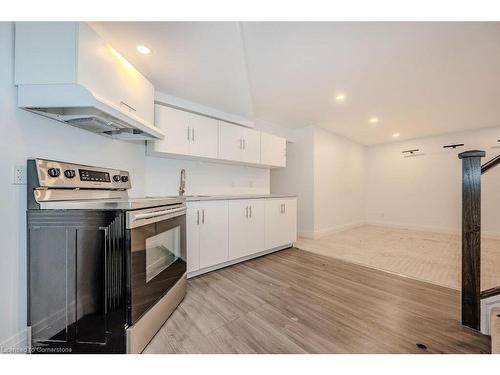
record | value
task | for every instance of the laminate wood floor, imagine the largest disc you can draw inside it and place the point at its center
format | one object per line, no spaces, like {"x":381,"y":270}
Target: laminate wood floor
{"x":427,"y":256}
{"x":294,"y":301}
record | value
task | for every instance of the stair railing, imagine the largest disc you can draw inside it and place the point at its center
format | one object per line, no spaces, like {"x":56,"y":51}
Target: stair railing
{"x":471,"y":236}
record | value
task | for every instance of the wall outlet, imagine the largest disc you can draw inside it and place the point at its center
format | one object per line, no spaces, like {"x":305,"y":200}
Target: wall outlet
{"x":19,"y":175}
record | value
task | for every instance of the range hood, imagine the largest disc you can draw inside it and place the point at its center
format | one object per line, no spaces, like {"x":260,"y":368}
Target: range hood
{"x":67,"y":72}
{"x":75,"y":105}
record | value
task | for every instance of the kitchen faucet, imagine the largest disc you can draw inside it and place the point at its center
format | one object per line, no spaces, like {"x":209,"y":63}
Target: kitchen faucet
{"x":182,"y":186}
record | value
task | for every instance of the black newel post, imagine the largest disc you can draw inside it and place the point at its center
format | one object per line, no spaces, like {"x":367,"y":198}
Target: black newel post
{"x":471,"y":238}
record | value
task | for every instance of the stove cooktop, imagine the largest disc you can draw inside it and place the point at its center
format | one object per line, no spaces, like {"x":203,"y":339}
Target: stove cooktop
{"x":112,"y":204}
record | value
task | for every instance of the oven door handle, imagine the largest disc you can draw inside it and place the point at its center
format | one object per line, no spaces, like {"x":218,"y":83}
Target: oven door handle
{"x":136,"y":220}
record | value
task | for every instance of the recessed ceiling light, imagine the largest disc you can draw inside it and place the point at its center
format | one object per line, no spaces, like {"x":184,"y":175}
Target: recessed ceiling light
{"x":143,"y":49}
{"x":373,"y":120}
{"x":395,"y":135}
{"x":340,"y":98}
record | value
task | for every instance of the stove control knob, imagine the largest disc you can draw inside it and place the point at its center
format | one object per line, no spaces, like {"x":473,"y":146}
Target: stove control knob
{"x":54,"y":172}
{"x":69,"y":173}
{"x":124,"y":178}
{"x":116,"y":178}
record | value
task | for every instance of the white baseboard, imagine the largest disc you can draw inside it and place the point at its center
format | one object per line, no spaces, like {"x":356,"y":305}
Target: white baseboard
{"x":306,"y":234}
{"x":15,"y":344}
{"x":428,"y":228}
{"x":335,"y":229}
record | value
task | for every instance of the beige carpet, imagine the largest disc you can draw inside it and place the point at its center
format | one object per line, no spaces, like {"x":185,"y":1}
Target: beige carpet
{"x":427,"y":256}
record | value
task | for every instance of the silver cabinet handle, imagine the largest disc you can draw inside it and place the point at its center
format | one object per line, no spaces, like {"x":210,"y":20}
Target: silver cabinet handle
{"x":203,"y":216}
{"x":284,"y":208}
{"x":188,"y":133}
{"x":241,"y":144}
{"x":128,"y":106}
{"x":192,"y":134}
{"x":250,"y":211}
{"x":244,"y":144}
{"x":246,"y":212}
{"x":198,"y":217}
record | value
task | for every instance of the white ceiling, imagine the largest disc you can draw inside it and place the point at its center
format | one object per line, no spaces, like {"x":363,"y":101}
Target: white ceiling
{"x":419,"y":79}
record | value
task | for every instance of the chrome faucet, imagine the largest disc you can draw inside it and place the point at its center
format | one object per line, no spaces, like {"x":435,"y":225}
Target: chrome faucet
{"x":182,"y":186}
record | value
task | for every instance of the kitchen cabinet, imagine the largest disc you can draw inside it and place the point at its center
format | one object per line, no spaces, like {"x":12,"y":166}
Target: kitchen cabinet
{"x":186,"y":133}
{"x":197,"y":137}
{"x":234,"y":230}
{"x":281,"y":222}
{"x":207,"y":234}
{"x":238,"y":143}
{"x":272,"y":150}
{"x":193,"y":237}
{"x":246,"y":227}
{"x":68,"y":65}
{"x":204,"y":136}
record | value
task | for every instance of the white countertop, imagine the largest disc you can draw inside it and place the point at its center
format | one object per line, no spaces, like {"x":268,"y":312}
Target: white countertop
{"x":201,"y":197}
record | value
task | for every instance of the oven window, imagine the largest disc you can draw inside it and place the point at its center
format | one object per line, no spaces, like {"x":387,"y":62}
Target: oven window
{"x":161,"y":251}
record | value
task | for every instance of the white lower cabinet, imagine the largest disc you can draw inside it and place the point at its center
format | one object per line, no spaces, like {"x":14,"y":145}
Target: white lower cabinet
{"x":246,"y":227}
{"x":207,"y":234}
{"x":220,"y":232}
{"x":281,"y":222}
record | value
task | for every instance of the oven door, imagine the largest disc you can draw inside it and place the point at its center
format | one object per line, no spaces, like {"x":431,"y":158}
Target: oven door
{"x":157,"y":238}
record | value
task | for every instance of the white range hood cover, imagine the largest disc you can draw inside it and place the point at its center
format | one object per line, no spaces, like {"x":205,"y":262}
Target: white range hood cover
{"x":77,"y":106}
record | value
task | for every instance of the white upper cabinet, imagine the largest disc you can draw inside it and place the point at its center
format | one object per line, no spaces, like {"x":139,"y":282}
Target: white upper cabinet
{"x":204,"y":136}
{"x":238,"y":143}
{"x":174,"y":124}
{"x":64,"y":66}
{"x":193,"y":136}
{"x":272,"y":150}
{"x":186,"y":133}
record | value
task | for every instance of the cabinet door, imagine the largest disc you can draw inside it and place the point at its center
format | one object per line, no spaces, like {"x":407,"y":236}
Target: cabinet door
{"x":272,"y":150}
{"x":251,"y":146}
{"x":230,"y":142}
{"x":274,"y":223}
{"x":204,"y":136}
{"x":174,"y":124}
{"x":193,"y":236}
{"x":213,"y":233}
{"x":290,"y":223}
{"x":238,"y":226}
{"x":256,"y":226}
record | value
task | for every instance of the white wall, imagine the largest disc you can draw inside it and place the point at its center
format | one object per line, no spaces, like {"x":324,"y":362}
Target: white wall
{"x":26,"y":135}
{"x":424,"y":192}
{"x":339,"y":170}
{"x":326,"y":172}
{"x":298,"y":178}
{"x":163,"y":177}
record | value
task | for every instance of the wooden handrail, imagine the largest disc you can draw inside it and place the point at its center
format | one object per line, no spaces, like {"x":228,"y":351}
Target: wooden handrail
{"x":490,"y":292}
{"x":490,"y":164}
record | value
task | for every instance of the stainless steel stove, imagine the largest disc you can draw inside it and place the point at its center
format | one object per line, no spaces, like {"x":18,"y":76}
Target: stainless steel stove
{"x":105,"y":270}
